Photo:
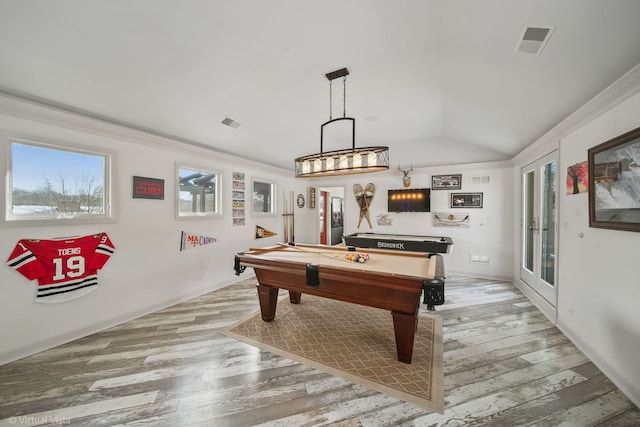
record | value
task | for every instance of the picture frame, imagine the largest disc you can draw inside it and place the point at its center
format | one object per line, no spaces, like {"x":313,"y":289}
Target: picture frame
{"x":614,"y":183}
{"x":446,"y":182}
{"x":312,"y":198}
{"x":466,"y":200}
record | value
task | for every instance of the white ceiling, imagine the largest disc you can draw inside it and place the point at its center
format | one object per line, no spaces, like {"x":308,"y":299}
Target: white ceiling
{"x":437,"y":81}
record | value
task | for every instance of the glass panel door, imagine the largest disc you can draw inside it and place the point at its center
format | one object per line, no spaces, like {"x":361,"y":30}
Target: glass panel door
{"x":529,"y":219}
{"x":548,"y":223}
{"x":539,"y":226}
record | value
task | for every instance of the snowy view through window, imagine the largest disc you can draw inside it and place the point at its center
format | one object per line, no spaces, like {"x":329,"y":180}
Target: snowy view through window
{"x":55,"y":183}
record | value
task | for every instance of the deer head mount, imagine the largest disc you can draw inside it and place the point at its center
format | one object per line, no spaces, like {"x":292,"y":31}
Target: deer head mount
{"x":406,"y":179}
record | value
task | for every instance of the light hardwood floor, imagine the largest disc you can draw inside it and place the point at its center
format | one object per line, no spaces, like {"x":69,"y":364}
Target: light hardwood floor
{"x":505,"y":365}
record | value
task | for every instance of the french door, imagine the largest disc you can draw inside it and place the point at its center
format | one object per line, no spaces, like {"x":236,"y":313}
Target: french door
{"x":539,"y":229}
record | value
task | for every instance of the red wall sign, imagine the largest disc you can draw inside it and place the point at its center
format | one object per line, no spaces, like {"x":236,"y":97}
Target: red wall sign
{"x":148,"y":188}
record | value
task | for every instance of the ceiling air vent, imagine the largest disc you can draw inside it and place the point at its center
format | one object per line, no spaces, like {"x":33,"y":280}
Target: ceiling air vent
{"x":231,"y":123}
{"x":533,"y":39}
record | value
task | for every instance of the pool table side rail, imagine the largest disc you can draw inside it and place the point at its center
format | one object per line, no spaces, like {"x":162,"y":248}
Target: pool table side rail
{"x":395,"y":292}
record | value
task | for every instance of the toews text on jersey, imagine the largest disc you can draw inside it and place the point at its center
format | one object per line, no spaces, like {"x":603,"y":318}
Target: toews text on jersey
{"x":65,"y":268}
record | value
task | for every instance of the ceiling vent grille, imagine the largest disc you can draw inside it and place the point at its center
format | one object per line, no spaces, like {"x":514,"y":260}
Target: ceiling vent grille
{"x":231,"y":123}
{"x":533,"y":39}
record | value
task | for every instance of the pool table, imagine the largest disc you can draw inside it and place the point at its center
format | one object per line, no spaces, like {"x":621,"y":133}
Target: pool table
{"x":389,"y":280}
{"x":400,"y":242}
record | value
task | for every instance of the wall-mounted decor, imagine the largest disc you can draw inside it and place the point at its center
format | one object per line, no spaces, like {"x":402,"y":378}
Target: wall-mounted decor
{"x":466,"y":200}
{"x":312,"y":197}
{"x":451,"y":220}
{"x":190,"y":240}
{"x":384,"y":220}
{"x":406,"y":179}
{"x":237,"y":199}
{"x":262,"y":232}
{"x":364,"y":197}
{"x":446,"y":182}
{"x":409,"y":200}
{"x":614,"y":183}
{"x":578,"y":178}
{"x":66,"y":268}
{"x":148,"y":188}
{"x":300,"y":201}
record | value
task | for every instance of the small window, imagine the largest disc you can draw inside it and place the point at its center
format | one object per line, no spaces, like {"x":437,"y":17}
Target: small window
{"x":264,"y":197}
{"x":198,"y":192}
{"x":55,"y":182}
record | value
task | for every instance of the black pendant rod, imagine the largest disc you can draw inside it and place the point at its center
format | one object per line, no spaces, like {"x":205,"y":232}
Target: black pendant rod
{"x":337,"y":74}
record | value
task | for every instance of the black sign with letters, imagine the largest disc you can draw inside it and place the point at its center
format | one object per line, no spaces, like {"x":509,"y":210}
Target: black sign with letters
{"x":148,"y":188}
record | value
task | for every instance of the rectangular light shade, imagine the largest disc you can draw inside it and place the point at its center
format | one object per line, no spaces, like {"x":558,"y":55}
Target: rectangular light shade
{"x":343,"y":162}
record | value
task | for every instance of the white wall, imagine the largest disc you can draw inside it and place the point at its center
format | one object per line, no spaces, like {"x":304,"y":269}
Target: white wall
{"x":147,"y":270}
{"x":490,"y":231}
{"x":597,"y":290}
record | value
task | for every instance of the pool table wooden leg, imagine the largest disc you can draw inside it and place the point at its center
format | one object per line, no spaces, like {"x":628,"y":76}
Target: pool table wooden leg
{"x":294,"y":297}
{"x":268,"y":297}
{"x":404,"y":326}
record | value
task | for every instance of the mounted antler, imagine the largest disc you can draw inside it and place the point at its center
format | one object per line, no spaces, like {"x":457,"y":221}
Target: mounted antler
{"x":406,"y":179}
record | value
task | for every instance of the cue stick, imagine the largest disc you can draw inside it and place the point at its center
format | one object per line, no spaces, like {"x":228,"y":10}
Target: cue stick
{"x":285,"y":218}
{"x":334,"y":256}
{"x":293,"y":212}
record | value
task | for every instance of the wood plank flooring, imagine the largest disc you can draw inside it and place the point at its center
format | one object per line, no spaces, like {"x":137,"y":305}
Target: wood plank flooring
{"x":505,"y":365}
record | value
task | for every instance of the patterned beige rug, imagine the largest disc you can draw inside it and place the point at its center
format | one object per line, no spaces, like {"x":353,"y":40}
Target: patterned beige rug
{"x":354,"y":342}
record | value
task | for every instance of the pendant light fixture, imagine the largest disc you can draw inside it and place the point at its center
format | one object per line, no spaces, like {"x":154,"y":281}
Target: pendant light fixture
{"x":346,"y":161}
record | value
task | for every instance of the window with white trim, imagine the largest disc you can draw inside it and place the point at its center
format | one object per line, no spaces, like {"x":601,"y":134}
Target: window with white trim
{"x":198,"y":191}
{"x":263,"y":197}
{"x":55,"y":182}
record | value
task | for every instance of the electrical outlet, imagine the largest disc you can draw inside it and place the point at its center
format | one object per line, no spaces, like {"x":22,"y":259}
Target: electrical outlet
{"x":479,"y":259}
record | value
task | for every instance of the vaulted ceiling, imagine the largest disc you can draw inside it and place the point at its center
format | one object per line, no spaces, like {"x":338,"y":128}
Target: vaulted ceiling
{"x":438,"y":81}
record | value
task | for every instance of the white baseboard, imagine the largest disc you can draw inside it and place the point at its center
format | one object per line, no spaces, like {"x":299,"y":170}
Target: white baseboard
{"x":616,"y":377}
{"x":58,"y":340}
{"x":479,"y":276}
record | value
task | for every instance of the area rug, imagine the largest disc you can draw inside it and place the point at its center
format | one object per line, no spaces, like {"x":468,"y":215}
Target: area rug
{"x":354,"y":342}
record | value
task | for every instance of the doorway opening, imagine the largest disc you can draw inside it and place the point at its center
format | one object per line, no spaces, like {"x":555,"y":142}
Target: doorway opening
{"x":331,"y":215}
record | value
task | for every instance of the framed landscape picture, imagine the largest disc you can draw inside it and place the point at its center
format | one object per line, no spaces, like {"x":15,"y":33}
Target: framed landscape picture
{"x":466,"y":200}
{"x":446,"y":182}
{"x":614,"y":183}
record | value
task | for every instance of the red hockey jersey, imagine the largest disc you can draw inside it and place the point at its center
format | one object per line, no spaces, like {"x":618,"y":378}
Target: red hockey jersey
{"x":65,"y":268}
